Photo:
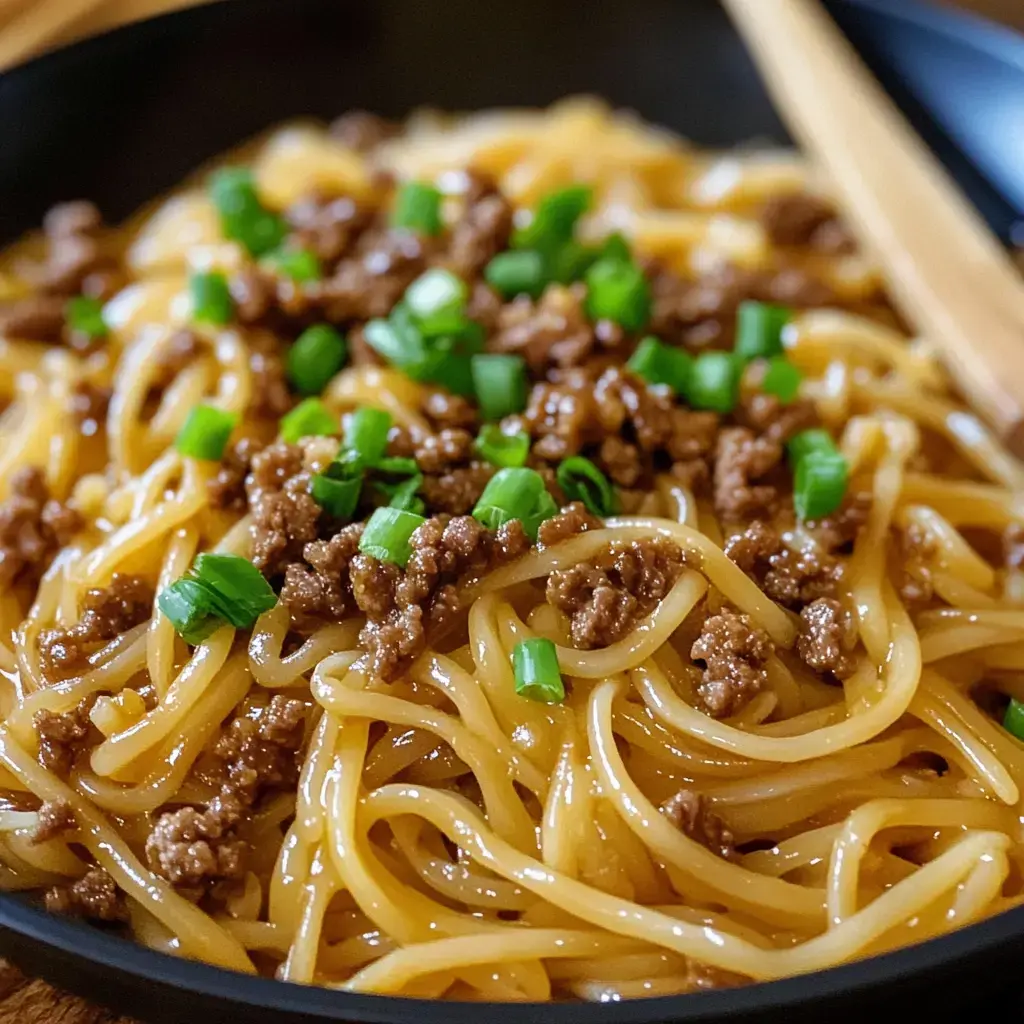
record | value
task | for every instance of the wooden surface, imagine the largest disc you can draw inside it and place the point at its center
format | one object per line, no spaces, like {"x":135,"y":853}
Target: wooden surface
{"x":31,"y":26}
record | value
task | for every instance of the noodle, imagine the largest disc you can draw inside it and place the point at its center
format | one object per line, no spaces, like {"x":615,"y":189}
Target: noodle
{"x":777,"y":742}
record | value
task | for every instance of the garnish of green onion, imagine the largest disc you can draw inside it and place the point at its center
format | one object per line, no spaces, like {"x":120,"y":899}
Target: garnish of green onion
{"x":759,"y":327}
{"x":84,"y":315}
{"x":205,"y":432}
{"x":243,"y":217}
{"x":406,"y":494}
{"x":301,"y":265}
{"x":418,"y":208}
{"x":336,"y":495}
{"x":619,"y":292}
{"x":500,"y":384}
{"x":317,"y":355}
{"x":366,"y":434}
{"x":615,"y":247}
{"x":515,"y":494}
{"x":714,"y":382}
{"x":499,"y":449}
{"x":820,"y":474}
{"x":309,"y":418}
{"x":517,"y":272}
{"x":1013,"y":719}
{"x":782,"y":379}
{"x":659,"y":363}
{"x":211,"y":298}
{"x":535,"y":665}
{"x":437,"y":302}
{"x":386,"y":535}
{"x":583,"y":481}
{"x":217,"y":589}
{"x":554,"y":220}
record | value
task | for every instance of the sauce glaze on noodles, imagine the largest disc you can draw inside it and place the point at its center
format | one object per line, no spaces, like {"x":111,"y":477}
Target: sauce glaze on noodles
{"x":448,"y":838}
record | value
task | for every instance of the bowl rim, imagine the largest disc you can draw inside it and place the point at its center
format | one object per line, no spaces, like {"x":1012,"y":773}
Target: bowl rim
{"x":125,"y":957}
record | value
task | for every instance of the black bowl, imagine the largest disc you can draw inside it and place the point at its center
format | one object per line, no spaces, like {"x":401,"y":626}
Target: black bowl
{"x":124,"y":117}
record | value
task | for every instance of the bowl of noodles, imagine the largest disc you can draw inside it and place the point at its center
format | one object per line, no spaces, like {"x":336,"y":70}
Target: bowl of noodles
{"x":517,"y":557}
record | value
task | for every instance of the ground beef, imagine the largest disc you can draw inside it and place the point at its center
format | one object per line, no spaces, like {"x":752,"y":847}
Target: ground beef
{"x":456,"y":491}
{"x":227,"y":488}
{"x":76,"y":251}
{"x":326,"y":225}
{"x":828,"y":636}
{"x":94,"y":896}
{"x":742,"y":461}
{"x":559,"y":417}
{"x":804,"y":220}
{"x":734,"y":652}
{"x":483,"y":229}
{"x":271,"y":398}
{"x":485,"y":306}
{"x":33,"y":318}
{"x":405,"y":608}
{"x":917,"y":550}
{"x":444,"y":411}
{"x":55,"y":817}
{"x":839,"y":531}
{"x":771,"y":419}
{"x":362,"y":131}
{"x":791,"y":577}
{"x":189,"y":847}
{"x":605,"y":598}
{"x":62,"y":736}
{"x":33,"y":526}
{"x":89,"y":404}
{"x":106,"y":613}
{"x":572,"y":520}
{"x":319,"y":589}
{"x":285,"y":516}
{"x":688,"y":811}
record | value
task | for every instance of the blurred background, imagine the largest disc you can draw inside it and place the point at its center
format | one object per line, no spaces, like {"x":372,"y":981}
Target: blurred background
{"x":28,"y":27}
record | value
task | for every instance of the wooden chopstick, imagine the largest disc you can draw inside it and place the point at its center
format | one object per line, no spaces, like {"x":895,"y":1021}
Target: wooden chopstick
{"x":31,"y":30}
{"x":948,"y":274}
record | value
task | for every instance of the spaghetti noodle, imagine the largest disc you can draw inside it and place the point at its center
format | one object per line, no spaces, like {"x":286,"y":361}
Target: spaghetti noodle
{"x":516,"y":557}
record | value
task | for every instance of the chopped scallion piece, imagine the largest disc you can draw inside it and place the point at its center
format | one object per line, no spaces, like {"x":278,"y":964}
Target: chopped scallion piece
{"x":437,"y":302}
{"x":336,"y":490}
{"x":554,"y":220}
{"x":211,"y":298}
{"x":619,"y":292}
{"x":243,"y":217}
{"x":819,"y":484}
{"x":317,"y":355}
{"x":515,"y":494}
{"x":1013,"y":719}
{"x":500,"y":384}
{"x":405,"y":495}
{"x":205,"y":432}
{"x":418,"y":208}
{"x":535,"y":665}
{"x":714,"y":382}
{"x":782,"y":379}
{"x":500,"y":449}
{"x":396,"y":465}
{"x":615,"y":247}
{"x":759,"y":327}
{"x":517,"y":272}
{"x":188,"y":606}
{"x":84,"y":315}
{"x":301,"y":265}
{"x":808,"y":442}
{"x":386,"y":535}
{"x":308,"y":419}
{"x":659,"y":363}
{"x":367,"y":434}
{"x":241,"y":594}
{"x":583,"y":481}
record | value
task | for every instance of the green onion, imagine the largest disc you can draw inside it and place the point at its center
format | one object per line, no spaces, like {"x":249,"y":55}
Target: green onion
{"x":301,"y":265}
{"x":500,"y":449}
{"x":659,"y":363}
{"x":205,"y":432}
{"x":405,"y":495}
{"x":809,"y":442}
{"x":1013,"y":720}
{"x":500,"y":384}
{"x":188,"y":606}
{"x":317,"y":355}
{"x":520,"y":272}
{"x":418,"y":208}
{"x":367,"y":434}
{"x":437,"y":302}
{"x":819,"y":484}
{"x":782,"y":379}
{"x":615,"y":247}
{"x":619,"y":292}
{"x":211,"y":298}
{"x":85,"y":315}
{"x":714,"y":382}
{"x":336,"y":490}
{"x":243,"y":217}
{"x":386,"y":535}
{"x":571,"y":262}
{"x":583,"y":481}
{"x":240,"y":592}
{"x":515,"y":494}
{"x":396,"y":465}
{"x":759,"y":327}
{"x":309,"y":418}
{"x":554,"y":220}
{"x":535,"y":664}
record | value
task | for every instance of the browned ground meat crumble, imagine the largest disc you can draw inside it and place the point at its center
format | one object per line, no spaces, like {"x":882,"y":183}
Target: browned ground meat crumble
{"x":95,"y":895}
{"x":63,"y":735}
{"x":106,"y":613}
{"x":735,"y":653}
{"x":55,"y":817}
{"x":827,"y":637}
{"x":689,"y":812}
{"x":802,"y":219}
